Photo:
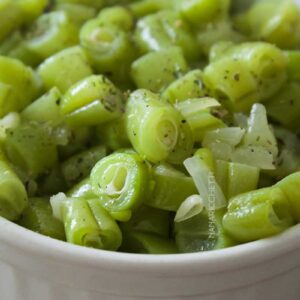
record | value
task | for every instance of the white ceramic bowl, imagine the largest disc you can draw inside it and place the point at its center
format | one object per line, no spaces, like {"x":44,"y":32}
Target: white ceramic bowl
{"x":35,"y":267}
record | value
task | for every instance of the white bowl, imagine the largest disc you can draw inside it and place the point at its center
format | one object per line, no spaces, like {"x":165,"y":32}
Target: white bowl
{"x":34,"y":267}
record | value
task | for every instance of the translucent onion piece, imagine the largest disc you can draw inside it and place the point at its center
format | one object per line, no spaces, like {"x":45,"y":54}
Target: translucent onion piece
{"x":229,"y":135}
{"x":193,"y":106}
{"x":189,"y":208}
{"x":210,"y":191}
{"x":259,"y":132}
{"x":57,"y":201}
{"x":220,"y":150}
{"x":255,"y":156}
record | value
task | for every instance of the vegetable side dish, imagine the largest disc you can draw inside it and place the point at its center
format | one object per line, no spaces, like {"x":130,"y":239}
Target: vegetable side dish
{"x":151,"y":126}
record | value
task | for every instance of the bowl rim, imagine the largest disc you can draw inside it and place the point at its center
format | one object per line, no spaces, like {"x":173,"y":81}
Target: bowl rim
{"x":229,"y":259}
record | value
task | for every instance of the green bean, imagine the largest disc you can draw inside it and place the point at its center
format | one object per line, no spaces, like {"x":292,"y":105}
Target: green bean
{"x":199,"y":114}
{"x":51,"y":33}
{"x":79,"y":140}
{"x":235,"y":178}
{"x":140,"y":242}
{"x":258,"y":214}
{"x":31,"y":9}
{"x":65,"y":68}
{"x":31,"y":148}
{"x":120,"y":180}
{"x":293,"y":64}
{"x":92,"y":3}
{"x":110,"y":50}
{"x":88,"y":224}
{"x":284,"y":107}
{"x":117,"y":16}
{"x":19,"y":83}
{"x":93,"y":100}
{"x":80,"y":165}
{"x":199,"y":12}
{"x":171,"y":188}
{"x":156,"y":70}
{"x":146,"y":7}
{"x":163,"y":30}
{"x":113,"y":134}
{"x":290,"y":187}
{"x":276,"y":22}
{"x":10,"y":18}
{"x":44,"y":109}
{"x":202,"y":232}
{"x":148,"y":220}
{"x":38,"y":217}
{"x":83,"y":189}
{"x":221,"y":30}
{"x":153,"y":127}
{"x":77,"y":12}
{"x":189,"y":86}
{"x":51,"y":183}
{"x":13,"y":196}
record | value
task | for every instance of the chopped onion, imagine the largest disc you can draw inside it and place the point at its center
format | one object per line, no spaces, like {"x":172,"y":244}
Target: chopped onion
{"x":230,"y":135}
{"x":57,"y":201}
{"x":10,"y":121}
{"x":210,"y":191}
{"x":192,"y":106}
{"x":259,"y":132}
{"x":241,"y":120}
{"x":255,"y":156}
{"x":189,"y":208}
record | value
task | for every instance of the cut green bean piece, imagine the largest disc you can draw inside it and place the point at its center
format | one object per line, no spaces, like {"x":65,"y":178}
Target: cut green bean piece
{"x":156,"y":70}
{"x":10,"y":18}
{"x":232,"y":83}
{"x":83,"y":189}
{"x":276,"y":22}
{"x":44,"y":109}
{"x":290,"y":187}
{"x":163,"y":30}
{"x":201,"y":114}
{"x":284,"y":107}
{"x":19,"y":85}
{"x":113,"y":134}
{"x":38,"y":217}
{"x":65,"y":68}
{"x":153,"y":127}
{"x":13,"y":196}
{"x":146,"y":7}
{"x":293,"y":64}
{"x":199,"y":12}
{"x":92,"y":3}
{"x":110,"y":50}
{"x":77,"y":12}
{"x":171,"y":188}
{"x":189,"y":86}
{"x":93,"y":100}
{"x":31,"y":9}
{"x":150,"y":220}
{"x":258,"y":214}
{"x":110,"y":232}
{"x":235,"y":178}
{"x":80,"y":165}
{"x":147,"y":243}
{"x":31,"y":148}
{"x":118,"y":16}
{"x":121,"y":181}
{"x":51,"y":33}
{"x":202,"y":232}
{"x":51,"y":183}
{"x":88,"y":224}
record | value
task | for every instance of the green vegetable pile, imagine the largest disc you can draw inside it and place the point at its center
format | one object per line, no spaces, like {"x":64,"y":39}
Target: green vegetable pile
{"x":152,"y":126}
